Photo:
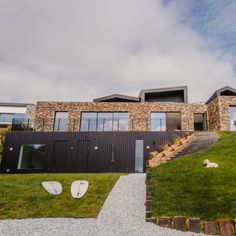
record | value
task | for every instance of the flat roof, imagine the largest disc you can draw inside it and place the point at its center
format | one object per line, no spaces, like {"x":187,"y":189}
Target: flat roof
{"x":10,"y":104}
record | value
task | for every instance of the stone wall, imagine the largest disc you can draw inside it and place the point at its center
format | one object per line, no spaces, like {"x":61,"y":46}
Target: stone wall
{"x":219,"y":114}
{"x":214,"y":115}
{"x":225,"y":102}
{"x":139,"y":113}
{"x":30,"y":111}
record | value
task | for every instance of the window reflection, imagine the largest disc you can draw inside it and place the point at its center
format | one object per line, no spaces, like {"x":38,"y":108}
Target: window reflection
{"x":104,"y":121}
{"x":165,"y":121}
{"x":61,"y":121}
{"x":31,"y":156}
{"x":7,"y":118}
{"x":232,"y":118}
{"x":158,"y":121}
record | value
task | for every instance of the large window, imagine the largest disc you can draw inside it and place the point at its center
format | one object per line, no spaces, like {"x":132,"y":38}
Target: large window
{"x":7,"y":118}
{"x":165,"y":121}
{"x":31,"y":156}
{"x":232,"y":118}
{"x":104,"y":121}
{"x":158,"y":121}
{"x":61,"y":121}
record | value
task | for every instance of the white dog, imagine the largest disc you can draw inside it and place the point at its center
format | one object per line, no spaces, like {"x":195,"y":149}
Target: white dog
{"x":209,"y":164}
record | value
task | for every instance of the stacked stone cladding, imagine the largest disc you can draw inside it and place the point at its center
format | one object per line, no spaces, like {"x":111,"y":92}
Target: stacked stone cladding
{"x":139,"y":113}
{"x":214,"y":115}
{"x":224,"y":103}
{"x":219,"y":114}
{"x":30,"y":111}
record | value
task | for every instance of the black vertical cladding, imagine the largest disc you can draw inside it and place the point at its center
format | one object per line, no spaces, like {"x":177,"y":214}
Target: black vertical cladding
{"x":82,"y":160}
{"x":59,"y":161}
{"x":84,"y":151}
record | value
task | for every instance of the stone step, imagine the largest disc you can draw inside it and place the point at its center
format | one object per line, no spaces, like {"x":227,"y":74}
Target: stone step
{"x":199,"y":142}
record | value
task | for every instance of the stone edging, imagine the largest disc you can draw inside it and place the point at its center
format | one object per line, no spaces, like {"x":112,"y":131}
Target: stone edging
{"x":181,"y":223}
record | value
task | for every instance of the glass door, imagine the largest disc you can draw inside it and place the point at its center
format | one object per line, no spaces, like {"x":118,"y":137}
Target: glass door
{"x":232,"y":111}
{"x":139,"y":156}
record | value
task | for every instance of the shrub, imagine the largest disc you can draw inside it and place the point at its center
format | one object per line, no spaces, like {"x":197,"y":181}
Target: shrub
{"x":3,"y":132}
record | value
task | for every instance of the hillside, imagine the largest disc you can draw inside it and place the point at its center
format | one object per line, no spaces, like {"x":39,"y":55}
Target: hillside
{"x":184,"y":187}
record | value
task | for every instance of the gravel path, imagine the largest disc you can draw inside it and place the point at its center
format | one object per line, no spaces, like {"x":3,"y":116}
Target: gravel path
{"x":122,"y":214}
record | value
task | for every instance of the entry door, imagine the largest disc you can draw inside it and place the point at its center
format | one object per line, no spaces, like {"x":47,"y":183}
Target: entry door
{"x":60,"y":156}
{"x":82,"y":156}
{"x":139,"y":156}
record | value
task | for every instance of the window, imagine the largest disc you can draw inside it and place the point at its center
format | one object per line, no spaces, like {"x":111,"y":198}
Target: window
{"x":7,"y":118}
{"x":104,"y":121}
{"x":158,"y":121}
{"x":31,"y":156}
{"x":61,"y":121}
{"x":200,"y":121}
{"x":232,"y":111}
{"x":120,"y":121}
{"x":173,"y":120}
{"x":165,"y":121}
{"x":89,"y":121}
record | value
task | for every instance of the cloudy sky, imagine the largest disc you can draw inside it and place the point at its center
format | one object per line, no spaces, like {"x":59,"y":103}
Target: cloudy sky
{"x":77,"y":50}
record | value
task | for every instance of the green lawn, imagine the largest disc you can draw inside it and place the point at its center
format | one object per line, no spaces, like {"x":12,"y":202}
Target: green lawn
{"x":22,"y":196}
{"x":184,"y":187}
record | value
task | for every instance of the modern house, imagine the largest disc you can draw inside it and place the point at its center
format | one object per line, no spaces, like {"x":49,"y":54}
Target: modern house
{"x":114,"y":133}
{"x":165,"y":109}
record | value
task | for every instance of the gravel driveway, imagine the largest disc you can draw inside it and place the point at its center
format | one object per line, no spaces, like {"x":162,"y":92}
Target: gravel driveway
{"x":122,"y":214}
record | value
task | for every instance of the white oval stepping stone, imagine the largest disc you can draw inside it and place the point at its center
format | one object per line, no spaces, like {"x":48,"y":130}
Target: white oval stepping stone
{"x":52,"y":187}
{"x":79,"y":188}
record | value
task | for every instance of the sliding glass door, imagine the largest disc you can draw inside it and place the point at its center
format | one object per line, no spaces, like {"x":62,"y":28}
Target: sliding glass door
{"x":165,"y":121}
{"x":232,"y":111}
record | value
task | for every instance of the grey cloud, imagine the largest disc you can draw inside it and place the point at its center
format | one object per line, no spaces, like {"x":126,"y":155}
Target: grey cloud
{"x":81,"y":49}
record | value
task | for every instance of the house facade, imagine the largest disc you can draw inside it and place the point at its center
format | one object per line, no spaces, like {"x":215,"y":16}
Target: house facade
{"x":115,"y":133}
{"x":164,"y":109}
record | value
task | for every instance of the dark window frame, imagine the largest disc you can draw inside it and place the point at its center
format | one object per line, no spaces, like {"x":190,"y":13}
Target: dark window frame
{"x":204,"y":121}
{"x":54,"y":121}
{"x":20,"y":157}
{"x":98,"y":112}
{"x":166,"y":121}
{"x":15,"y":116}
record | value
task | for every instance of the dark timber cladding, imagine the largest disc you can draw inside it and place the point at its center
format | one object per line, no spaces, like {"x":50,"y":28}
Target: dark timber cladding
{"x":83,"y":151}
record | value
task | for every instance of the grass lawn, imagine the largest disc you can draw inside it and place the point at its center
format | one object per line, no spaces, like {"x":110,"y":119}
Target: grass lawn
{"x":22,"y":196}
{"x":184,"y":187}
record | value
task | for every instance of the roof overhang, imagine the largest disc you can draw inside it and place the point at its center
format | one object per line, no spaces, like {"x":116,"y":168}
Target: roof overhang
{"x":9,"y":104}
{"x":225,"y":91}
{"x":117,"y":98}
{"x":143,"y":92}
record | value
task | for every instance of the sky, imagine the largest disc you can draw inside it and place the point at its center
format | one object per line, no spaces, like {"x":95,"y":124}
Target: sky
{"x":77,"y":50}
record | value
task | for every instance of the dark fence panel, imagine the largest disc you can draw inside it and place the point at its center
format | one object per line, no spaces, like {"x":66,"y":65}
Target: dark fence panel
{"x":84,"y":151}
